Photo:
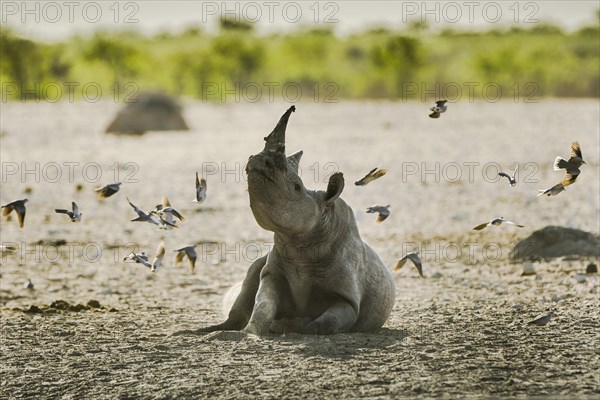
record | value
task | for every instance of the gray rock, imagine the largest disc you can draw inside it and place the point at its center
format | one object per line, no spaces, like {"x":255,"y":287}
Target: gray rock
{"x":148,"y":112}
{"x":555,"y":241}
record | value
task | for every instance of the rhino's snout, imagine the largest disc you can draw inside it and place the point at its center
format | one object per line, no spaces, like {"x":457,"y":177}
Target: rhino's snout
{"x":260,"y":163}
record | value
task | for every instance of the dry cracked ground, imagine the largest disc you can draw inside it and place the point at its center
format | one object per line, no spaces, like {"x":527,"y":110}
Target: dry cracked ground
{"x":457,"y":335}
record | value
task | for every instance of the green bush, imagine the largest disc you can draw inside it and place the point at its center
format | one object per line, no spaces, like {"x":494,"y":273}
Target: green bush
{"x":376,"y":63}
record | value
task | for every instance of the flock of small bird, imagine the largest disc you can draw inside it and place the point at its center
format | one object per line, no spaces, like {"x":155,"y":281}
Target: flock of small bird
{"x":163,"y":215}
{"x":571,"y":166}
{"x":187,"y":251}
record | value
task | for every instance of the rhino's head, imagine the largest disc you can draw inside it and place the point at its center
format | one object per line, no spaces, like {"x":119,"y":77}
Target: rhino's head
{"x":278,"y":198}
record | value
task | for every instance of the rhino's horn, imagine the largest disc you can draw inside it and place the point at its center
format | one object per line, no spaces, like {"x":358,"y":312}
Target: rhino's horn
{"x":276,"y":139}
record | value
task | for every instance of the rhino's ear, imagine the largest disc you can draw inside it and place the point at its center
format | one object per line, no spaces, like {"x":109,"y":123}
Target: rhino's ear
{"x":334,"y":187}
{"x":294,"y":161}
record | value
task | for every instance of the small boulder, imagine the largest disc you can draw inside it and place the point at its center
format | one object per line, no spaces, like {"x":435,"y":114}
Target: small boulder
{"x":591,"y":269}
{"x":148,"y":112}
{"x":556,"y":241}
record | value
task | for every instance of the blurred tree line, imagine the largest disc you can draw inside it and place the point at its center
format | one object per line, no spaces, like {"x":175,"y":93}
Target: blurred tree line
{"x":379,"y":63}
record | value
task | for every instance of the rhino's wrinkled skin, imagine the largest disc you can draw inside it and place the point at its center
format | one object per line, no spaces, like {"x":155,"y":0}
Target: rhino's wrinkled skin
{"x":320,"y":276}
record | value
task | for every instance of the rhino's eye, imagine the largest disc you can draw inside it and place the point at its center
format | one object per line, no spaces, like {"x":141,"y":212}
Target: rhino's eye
{"x":297,"y":187}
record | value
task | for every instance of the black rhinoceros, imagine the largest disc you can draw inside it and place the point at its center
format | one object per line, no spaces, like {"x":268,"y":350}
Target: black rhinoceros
{"x":320,"y":276}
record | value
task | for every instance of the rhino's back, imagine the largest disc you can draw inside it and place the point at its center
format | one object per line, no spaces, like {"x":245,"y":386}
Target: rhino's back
{"x":374,"y":280}
{"x":378,"y":292}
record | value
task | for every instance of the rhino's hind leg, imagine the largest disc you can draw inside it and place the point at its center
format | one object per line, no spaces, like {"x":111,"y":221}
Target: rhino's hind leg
{"x":242,"y":307}
{"x":285,"y":325}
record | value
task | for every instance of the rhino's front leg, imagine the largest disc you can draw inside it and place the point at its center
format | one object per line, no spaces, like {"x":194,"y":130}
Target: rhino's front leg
{"x":339,"y":318}
{"x":265,"y":307}
{"x":242,"y":307}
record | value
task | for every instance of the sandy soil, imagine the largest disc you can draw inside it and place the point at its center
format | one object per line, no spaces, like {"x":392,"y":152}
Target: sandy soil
{"x":460,"y":332}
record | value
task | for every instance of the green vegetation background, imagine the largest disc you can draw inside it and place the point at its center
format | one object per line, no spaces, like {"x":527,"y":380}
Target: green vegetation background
{"x":376,"y":64}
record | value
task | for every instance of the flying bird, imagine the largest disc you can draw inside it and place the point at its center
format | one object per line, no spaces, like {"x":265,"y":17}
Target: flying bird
{"x":375,"y":173}
{"x":19,"y":207}
{"x":167,"y":214}
{"x":108,"y":190}
{"x":574,"y":162}
{"x":383,"y":211}
{"x":158,"y":258}
{"x":414,"y":257}
{"x":512,"y":180}
{"x":190,"y":252}
{"x":142,"y":216}
{"x":541,"y":321}
{"x":8,"y":248}
{"x":164,"y":224}
{"x":571,"y":168}
{"x":439,"y":108}
{"x":496,"y":221}
{"x":74,"y":213}
{"x":553,"y":191}
{"x":200,"y":190}
{"x":167,"y":209}
{"x":136,"y":256}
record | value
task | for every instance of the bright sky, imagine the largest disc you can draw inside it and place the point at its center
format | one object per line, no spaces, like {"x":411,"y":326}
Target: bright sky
{"x":55,"y":20}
